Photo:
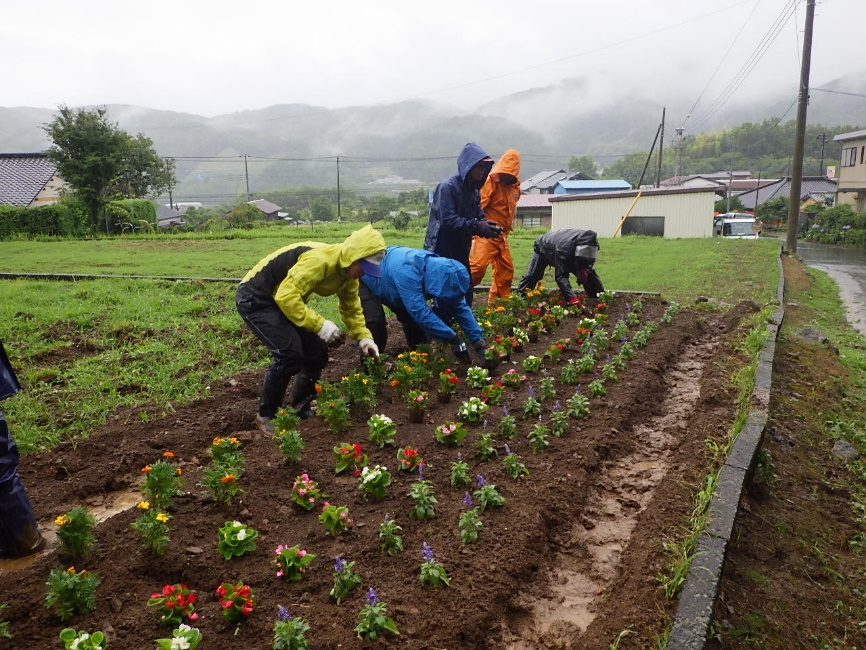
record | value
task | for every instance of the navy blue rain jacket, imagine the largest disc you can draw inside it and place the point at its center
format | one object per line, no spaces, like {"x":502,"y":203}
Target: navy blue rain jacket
{"x":456,"y":208}
{"x":411,"y":276}
{"x":8,"y":381}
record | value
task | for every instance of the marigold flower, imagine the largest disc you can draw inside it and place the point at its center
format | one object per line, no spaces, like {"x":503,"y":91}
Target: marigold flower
{"x":146,"y":469}
{"x":168,"y":454}
{"x":162,"y":518}
{"x":228,"y":478}
{"x":62,"y":520}
{"x":143,"y":505}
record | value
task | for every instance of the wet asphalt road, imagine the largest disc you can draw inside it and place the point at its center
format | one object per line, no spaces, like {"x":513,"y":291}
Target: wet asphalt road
{"x":847,"y":266}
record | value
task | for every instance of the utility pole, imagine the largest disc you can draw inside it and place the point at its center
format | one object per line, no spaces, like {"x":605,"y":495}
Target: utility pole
{"x":823,"y":139}
{"x":247,"y":175}
{"x":797,"y":170}
{"x":338,"y":189}
{"x":661,"y":147}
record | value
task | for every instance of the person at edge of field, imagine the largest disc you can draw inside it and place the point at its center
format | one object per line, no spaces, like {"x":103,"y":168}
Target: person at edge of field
{"x":568,"y":251}
{"x":409,"y":278}
{"x":272,"y":300}
{"x":19,"y":533}
{"x":455,"y":210}
{"x":499,"y":197}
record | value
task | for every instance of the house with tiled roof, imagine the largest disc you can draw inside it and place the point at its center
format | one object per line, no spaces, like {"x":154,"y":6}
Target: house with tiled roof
{"x":271,"y":210}
{"x":545,"y":181}
{"x":813,"y":189}
{"x":29,"y":180}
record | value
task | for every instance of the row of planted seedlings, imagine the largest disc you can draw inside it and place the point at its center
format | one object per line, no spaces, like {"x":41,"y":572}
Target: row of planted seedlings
{"x":592,"y":356}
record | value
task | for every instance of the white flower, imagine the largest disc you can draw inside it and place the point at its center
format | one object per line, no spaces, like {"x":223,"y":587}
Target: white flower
{"x":180,"y":643}
{"x":242,"y":534}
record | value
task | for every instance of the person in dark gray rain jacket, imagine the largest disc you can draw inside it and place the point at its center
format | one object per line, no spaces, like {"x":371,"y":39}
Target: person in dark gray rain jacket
{"x":19,"y":534}
{"x":455,"y":211}
{"x":569,"y":251}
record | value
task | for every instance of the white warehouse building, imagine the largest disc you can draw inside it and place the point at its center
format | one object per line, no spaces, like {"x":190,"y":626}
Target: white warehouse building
{"x":674,"y":213}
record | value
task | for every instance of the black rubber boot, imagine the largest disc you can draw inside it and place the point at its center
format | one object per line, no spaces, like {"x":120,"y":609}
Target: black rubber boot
{"x":19,"y":535}
{"x":303,"y":393}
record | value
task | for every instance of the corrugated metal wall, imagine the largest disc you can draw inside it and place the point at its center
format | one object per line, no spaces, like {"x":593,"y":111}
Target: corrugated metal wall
{"x":686,"y":215}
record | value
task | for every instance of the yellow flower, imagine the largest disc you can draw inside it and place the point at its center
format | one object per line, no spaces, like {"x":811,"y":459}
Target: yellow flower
{"x":217,"y":441}
{"x":71,"y":570}
{"x":143,"y":505}
{"x":162,"y":517}
{"x":234,"y":441}
{"x":62,"y":520}
{"x":345,"y":379}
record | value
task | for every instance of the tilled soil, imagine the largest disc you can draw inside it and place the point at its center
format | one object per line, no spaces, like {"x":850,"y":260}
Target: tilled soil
{"x":570,"y":561}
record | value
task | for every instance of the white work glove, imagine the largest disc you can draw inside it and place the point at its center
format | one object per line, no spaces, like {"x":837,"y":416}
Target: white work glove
{"x":329,"y":332}
{"x":369,"y":348}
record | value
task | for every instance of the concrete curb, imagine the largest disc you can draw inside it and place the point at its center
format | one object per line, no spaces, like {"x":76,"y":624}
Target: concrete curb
{"x":701,"y":589}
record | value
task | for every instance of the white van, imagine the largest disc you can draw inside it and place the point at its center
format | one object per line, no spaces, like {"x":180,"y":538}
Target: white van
{"x":737,"y":225}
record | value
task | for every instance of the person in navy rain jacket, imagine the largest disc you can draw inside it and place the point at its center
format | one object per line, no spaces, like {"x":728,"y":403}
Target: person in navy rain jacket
{"x":455,"y":211}
{"x":409,"y":278}
{"x":19,"y":534}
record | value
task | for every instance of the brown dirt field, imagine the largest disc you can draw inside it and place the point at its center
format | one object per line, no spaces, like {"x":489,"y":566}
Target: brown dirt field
{"x":570,"y":561}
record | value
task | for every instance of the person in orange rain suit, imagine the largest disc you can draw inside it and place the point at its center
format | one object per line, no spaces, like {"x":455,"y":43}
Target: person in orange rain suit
{"x":499,"y":196}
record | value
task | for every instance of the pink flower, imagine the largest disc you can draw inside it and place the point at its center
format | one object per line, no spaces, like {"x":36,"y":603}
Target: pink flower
{"x":302,"y":553}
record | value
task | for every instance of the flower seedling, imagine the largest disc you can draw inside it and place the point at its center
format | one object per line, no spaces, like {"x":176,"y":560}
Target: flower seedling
{"x":334,"y":411}
{"x":487,"y":494}
{"x":492,"y":393}
{"x":349,"y":456}
{"x":469,"y":523}
{"x":236,"y":601}
{"x":335,"y":519}
{"x":596,"y":388}
{"x":408,"y":459}
{"x":546,"y":389}
{"x":512,"y":378}
{"x":417,"y":400}
{"x":423,"y":500}
{"x":513,"y":464}
{"x":162,"y":482}
{"x":558,"y":421}
{"x":477,"y":377}
{"x":389,"y":534}
{"x":81,"y":640}
{"x":577,"y":405}
{"x":183,"y":636}
{"x":175,"y":602}
{"x":305,"y":492}
{"x":507,"y":425}
{"x":382,"y":430}
{"x":450,"y":433}
{"x":374,"y":482}
{"x":619,"y":330}
{"x":75,"y":532}
{"x":460,"y":474}
{"x":484,"y":446}
{"x":72,"y":592}
{"x":531,"y":407}
{"x":432,"y":574}
{"x":345,"y":580}
{"x":410,"y":370}
{"x":585,"y":363}
{"x":285,"y":419}
{"x":532,"y":364}
{"x":226,"y":453}
{"x":235,"y":539}
{"x":152,"y":526}
{"x":554,"y":352}
{"x":289,"y":631}
{"x":569,"y":374}
{"x":473,"y":410}
{"x":373,"y":619}
{"x":359,"y":389}
{"x":291,"y":444}
{"x":538,"y":437}
{"x":222,"y":482}
{"x":448,"y":382}
{"x":291,"y":562}
{"x":626,"y":352}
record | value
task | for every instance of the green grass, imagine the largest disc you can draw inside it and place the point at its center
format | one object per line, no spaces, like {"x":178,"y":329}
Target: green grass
{"x":86,"y":348}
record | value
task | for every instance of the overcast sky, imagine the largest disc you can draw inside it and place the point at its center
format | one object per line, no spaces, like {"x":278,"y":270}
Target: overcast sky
{"x":218,"y":57}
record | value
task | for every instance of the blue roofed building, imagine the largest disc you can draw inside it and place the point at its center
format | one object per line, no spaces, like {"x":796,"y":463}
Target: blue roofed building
{"x":583,"y":187}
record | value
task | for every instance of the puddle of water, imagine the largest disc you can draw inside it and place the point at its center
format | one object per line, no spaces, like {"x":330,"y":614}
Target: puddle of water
{"x":101,"y":508}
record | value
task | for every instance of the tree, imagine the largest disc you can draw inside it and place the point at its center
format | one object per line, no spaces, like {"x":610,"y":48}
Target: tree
{"x":322,"y":209}
{"x":101,"y":162}
{"x":584,"y":165}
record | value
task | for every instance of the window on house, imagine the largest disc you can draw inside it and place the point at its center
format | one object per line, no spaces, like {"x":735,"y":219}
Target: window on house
{"x":849,"y":157}
{"x":862,"y":149}
{"x":533,"y":221}
{"x":652,"y":226}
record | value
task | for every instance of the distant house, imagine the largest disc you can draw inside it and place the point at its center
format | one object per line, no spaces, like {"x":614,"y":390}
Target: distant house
{"x":544,"y":181}
{"x":272,"y":211}
{"x":813,"y":189}
{"x":533,"y":211}
{"x":167,"y":217}
{"x":28,"y":180}
{"x":738,"y":181}
{"x":583,"y":187}
{"x":852,"y":170}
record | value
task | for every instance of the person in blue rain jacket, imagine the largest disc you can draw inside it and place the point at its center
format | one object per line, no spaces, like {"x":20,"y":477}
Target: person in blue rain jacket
{"x":409,"y":278}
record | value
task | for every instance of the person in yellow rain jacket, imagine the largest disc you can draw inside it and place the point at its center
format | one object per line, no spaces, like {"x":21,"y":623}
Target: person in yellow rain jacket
{"x":272,"y":300}
{"x":499,"y":197}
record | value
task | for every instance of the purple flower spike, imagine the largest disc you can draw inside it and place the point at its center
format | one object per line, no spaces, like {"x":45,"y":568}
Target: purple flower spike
{"x":480,"y":480}
{"x":531,"y":391}
{"x":557,"y":406}
{"x":507,"y":452}
{"x":283,"y":613}
{"x":505,"y":411}
{"x":426,"y":552}
{"x":372,"y":598}
{"x":467,"y":500}
{"x":420,"y":472}
{"x":339,"y":564}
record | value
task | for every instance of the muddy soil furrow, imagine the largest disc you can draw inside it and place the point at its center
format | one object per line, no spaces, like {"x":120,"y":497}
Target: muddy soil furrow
{"x":589,"y":559}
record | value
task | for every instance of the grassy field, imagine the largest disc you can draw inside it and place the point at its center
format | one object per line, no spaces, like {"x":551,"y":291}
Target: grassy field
{"x":84,"y":348}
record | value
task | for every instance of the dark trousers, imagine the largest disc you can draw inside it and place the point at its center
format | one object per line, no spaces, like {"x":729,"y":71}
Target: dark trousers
{"x":18,"y":530}
{"x":534,"y":273}
{"x":293,"y":349}
{"x":374,"y":315}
